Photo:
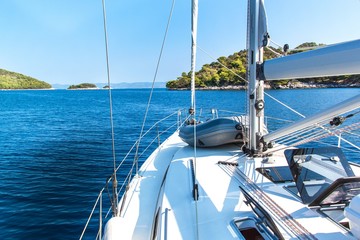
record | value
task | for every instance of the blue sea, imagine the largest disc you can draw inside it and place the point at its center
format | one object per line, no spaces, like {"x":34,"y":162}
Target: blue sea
{"x":55,"y":148}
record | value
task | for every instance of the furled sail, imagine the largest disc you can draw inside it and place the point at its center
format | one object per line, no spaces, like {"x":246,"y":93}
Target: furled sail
{"x":333,"y":60}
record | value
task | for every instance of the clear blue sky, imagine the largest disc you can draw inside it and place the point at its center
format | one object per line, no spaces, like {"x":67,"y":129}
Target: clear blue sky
{"x":62,"y":41}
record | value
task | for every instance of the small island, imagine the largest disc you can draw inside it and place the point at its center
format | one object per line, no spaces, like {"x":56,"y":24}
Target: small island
{"x":83,"y":86}
{"x":14,"y":81}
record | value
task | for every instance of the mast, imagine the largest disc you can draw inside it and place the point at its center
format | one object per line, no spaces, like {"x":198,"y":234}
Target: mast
{"x":193,"y":52}
{"x":256,"y":38}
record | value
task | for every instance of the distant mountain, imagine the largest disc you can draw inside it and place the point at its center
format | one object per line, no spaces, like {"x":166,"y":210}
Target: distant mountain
{"x":137,"y":85}
{"x":119,"y":85}
{"x":13,"y":80}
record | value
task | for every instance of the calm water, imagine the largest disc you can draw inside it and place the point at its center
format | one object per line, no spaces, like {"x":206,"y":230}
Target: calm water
{"x":55,"y":148}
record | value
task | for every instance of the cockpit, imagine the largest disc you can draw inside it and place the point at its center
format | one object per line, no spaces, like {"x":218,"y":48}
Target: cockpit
{"x":321,"y":177}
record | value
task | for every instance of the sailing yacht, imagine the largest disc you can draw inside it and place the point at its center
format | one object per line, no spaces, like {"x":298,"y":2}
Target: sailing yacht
{"x":256,"y":185}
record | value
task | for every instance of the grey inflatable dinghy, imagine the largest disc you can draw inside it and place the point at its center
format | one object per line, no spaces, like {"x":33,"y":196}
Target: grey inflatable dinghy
{"x":215,"y":132}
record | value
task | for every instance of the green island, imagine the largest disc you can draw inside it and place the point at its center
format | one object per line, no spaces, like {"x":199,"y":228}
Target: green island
{"x":229,"y":73}
{"x":12,"y":80}
{"x":83,"y":86}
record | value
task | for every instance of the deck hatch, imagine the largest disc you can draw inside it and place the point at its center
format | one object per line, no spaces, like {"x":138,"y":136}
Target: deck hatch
{"x":339,"y":192}
{"x":276,"y":174}
{"x":314,"y":170}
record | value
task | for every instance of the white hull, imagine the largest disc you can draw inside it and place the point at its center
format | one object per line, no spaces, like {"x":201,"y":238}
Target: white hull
{"x":257,"y":190}
{"x":220,"y":199}
{"x":137,"y":216}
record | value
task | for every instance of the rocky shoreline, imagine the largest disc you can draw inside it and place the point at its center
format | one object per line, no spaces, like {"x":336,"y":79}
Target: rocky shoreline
{"x":289,"y":85}
{"x":304,"y":85}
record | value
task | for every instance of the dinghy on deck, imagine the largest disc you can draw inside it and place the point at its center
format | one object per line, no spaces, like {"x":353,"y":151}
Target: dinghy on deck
{"x":215,"y":132}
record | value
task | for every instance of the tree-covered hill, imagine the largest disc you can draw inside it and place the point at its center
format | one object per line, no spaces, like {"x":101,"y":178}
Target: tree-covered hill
{"x":13,"y":80}
{"x":231,"y":70}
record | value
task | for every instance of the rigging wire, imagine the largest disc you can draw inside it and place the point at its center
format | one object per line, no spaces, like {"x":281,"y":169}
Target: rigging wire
{"x":278,"y":101}
{"x":332,"y":145}
{"x":136,"y":159}
{"x":286,"y":106}
{"x":115,"y":195}
{"x":278,"y":45}
{"x":246,"y":81}
{"x":210,"y":56}
{"x":312,"y":131}
{"x":335,"y":133}
{"x":318,"y":125}
{"x":194,"y":25}
{"x":296,"y":49}
{"x":273,"y":51}
{"x":318,"y":137}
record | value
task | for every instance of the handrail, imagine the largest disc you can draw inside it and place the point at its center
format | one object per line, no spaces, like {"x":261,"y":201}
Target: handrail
{"x":92,"y":212}
{"x":98,"y":202}
{"x":134,"y":145}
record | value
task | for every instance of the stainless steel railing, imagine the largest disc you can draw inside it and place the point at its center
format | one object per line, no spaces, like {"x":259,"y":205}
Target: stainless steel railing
{"x":165,"y":126}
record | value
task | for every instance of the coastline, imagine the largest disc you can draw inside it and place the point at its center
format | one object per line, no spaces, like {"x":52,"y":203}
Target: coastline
{"x":26,"y":89}
{"x":290,"y":85}
{"x":45,"y":89}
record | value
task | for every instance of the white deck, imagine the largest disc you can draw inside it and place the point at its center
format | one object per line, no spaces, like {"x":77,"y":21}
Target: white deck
{"x":220,"y":199}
